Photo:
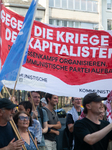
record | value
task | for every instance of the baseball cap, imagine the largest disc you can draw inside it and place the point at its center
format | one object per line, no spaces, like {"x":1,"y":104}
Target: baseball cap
{"x":92,"y":97}
{"x":6,"y":103}
{"x":43,"y":100}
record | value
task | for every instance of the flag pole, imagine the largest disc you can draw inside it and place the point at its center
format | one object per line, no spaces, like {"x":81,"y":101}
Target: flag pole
{"x":7,"y":91}
{"x":17,"y":132}
{"x":33,"y":104}
{"x":1,"y":95}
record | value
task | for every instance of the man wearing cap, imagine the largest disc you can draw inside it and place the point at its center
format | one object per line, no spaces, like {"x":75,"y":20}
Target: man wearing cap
{"x":90,"y":132}
{"x":7,"y":135}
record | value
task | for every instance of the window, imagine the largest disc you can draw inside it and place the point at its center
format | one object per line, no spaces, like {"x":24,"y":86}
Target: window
{"x":64,"y":4}
{"x":55,"y":22}
{"x":51,"y":3}
{"x":50,"y":21}
{"x":58,"y":22}
{"x":38,"y":19}
{"x":64,"y":23}
{"x":109,"y":4}
{"x":77,"y":4}
{"x":73,"y":24}
{"x":70,"y":24}
{"x":83,"y":4}
{"x":70,"y":4}
{"x":109,"y":25}
{"x":86,"y":25}
{"x":57,"y":3}
{"x":95,"y":6}
{"x":89,"y":5}
{"x":77,"y":24}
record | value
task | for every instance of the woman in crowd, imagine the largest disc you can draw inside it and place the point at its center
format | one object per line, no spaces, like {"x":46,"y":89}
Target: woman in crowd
{"x":23,"y":121}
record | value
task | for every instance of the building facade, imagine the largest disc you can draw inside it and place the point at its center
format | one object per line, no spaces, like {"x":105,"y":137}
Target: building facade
{"x":21,"y":7}
{"x":107,"y":14}
{"x":74,"y":13}
{"x":90,"y":14}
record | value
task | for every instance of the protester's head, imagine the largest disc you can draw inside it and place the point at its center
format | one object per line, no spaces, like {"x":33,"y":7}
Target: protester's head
{"x":43,"y":102}
{"x":14,"y":99}
{"x":76,"y":101}
{"x":103,"y":113}
{"x":22,"y":119}
{"x":93,"y":102}
{"x":51,"y":99}
{"x":25,"y":106}
{"x":6,"y":109}
{"x":35,"y":95}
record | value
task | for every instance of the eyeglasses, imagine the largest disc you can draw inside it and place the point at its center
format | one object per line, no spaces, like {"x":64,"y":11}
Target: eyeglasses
{"x":77,"y":99}
{"x":24,"y":118}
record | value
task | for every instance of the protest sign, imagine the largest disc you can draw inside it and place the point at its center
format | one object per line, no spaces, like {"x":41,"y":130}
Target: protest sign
{"x":61,"y":60}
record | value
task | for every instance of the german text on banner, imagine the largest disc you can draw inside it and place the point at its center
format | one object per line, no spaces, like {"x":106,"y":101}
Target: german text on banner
{"x":63,"y":61}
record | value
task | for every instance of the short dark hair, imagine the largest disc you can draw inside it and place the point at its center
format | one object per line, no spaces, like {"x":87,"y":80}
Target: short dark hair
{"x":72,"y":99}
{"x":35,"y":92}
{"x":16,"y":117}
{"x":48,"y":95}
{"x":85,"y":110}
{"x":26,"y":105}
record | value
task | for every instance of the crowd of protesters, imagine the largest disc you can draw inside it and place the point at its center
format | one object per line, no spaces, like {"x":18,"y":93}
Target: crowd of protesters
{"x":88,"y":127}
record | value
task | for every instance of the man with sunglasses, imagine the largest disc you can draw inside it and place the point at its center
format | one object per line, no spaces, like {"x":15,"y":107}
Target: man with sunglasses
{"x":8,"y":139}
{"x":53,"y":123}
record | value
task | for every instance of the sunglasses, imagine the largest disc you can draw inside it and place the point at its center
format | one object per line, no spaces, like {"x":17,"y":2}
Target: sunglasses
{"x":53,"y":115}
{"x":24,"y":118}
{"x":8,"y":109}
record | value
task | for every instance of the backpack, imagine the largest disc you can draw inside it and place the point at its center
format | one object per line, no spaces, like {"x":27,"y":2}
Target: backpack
{"x":65,"y":140}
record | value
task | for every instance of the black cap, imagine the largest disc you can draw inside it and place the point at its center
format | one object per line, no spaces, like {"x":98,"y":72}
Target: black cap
{"x":92,"y":97}
{"x":6,"y":103}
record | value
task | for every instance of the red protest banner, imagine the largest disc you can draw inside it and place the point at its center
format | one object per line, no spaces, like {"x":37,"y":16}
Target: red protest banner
{"x":73,"y":56}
